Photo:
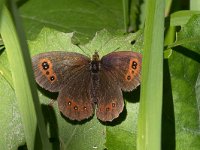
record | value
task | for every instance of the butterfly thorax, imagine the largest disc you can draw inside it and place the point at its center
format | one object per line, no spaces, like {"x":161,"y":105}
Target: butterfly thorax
{"x":95,"y":63}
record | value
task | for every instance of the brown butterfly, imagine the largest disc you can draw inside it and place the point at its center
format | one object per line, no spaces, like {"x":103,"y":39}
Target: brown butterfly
{"x":83,"y":83}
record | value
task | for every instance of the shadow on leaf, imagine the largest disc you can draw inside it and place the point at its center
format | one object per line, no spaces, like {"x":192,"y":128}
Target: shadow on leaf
{"x":188,"y":53}
{"x":168,"y":119}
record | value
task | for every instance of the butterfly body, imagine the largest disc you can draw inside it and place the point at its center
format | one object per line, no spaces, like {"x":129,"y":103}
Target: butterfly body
{"x":84,"y":83}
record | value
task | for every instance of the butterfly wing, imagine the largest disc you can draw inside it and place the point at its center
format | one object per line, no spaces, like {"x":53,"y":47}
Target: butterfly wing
{"x":53,"y":69}
{"x":125,"y":66}
{"x":108,"y":95}
{"x":74,"y":100}
{"x":71,"y":78}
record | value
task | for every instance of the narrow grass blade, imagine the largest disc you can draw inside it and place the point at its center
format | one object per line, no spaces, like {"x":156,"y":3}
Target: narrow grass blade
{"x":125,"y":12}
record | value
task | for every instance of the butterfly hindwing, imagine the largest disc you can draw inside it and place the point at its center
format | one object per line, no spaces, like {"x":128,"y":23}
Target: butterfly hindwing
{"x":110,"y":101}
{"x":74,"y":100}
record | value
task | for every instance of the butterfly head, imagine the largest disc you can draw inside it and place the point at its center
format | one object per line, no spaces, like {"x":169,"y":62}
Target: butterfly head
{"x":95,"y":57}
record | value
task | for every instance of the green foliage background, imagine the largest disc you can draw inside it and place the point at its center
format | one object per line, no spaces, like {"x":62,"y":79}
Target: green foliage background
{"x":49,"y":25}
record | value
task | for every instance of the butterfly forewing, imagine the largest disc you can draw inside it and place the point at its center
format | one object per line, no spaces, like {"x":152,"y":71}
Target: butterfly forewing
{"x":125,"y":66}
{"x":53,"y":69}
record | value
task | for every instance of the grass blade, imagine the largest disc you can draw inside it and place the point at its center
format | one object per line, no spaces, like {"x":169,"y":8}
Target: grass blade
{"x":149,"y":124}
{"x":20,"y":63}
{"x":125,"y":13}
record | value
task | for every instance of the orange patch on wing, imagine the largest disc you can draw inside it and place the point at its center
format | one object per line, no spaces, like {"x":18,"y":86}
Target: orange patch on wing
{"x":133,"y":69}
{"x":46,"y":67}
{"x":82,"y":107}
{"x":109,"y":111}
{"x":109,"y":107}
{"x":77,"y":110}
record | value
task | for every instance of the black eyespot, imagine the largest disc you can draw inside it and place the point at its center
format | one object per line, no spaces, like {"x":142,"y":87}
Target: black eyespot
{"x":107,"y":109}
{"x":52,"y":78}
{"x":134,"y":65}
{"x":45,"y":65}
{"x":84,"y":108}
{"x":47,"y":72}
{"x":75,"y":108}
{"x":128,"y":77}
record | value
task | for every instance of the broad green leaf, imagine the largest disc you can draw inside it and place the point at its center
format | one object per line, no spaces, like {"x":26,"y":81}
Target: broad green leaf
{"x":82,"y":17}
{"x":184,"y":72}
{"x":180,"y":18}
{"x":189,"y":34}
{"x":123,"y":136}
{"x":89,"y":134}
{"x":181,"y":111}
{"x":180,"y":106}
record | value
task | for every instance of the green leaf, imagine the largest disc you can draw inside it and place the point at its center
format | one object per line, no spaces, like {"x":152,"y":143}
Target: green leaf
{"x":189,"y":34}
{"x":184,"y":72}
{"x":181,"y":119}
{"x":123,"y":136}
{"x":91,"y":133}
{"x":180,"y":18}
{"x":180,"y":126}
{"x":180,"y":107}
{"x":84,"y":18}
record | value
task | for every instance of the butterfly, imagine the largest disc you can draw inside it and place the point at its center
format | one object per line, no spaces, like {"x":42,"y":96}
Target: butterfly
{"x":88,"y":84}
